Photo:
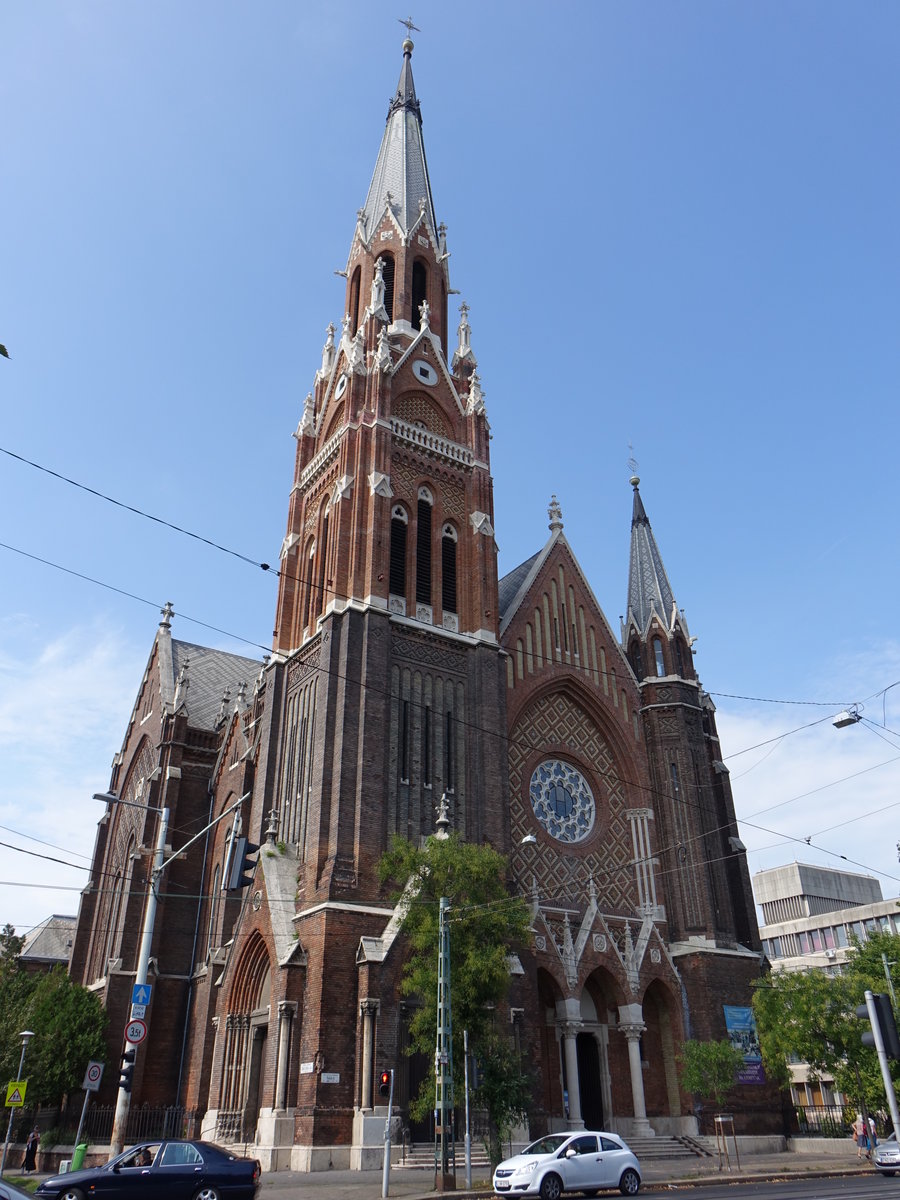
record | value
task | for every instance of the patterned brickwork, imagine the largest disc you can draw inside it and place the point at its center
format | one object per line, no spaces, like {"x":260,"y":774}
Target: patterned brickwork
{"x":557,"y":720}
{"x":419,"y":410}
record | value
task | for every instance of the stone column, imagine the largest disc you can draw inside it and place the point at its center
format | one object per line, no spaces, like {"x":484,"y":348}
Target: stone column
{"x":286,"y":1010}
{"x":570,"y":1033}
{"x":633,"y":1033}
{"x":367,"y":1010}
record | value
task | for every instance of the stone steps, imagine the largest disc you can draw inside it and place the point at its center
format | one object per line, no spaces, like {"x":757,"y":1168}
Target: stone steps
{"x":662,"y":1147}
{"x":420,"y":1157}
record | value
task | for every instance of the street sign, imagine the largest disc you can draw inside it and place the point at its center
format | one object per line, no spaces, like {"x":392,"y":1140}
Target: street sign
{"x":15,"y":1094}
{"x":138,"y":1012}
{"x":92,"y":1076}
{"x":135,"y":1032}
{"x":140,"y":993}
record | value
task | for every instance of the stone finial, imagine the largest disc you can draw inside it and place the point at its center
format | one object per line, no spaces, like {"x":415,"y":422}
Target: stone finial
{"x":425,"y":314}
{"x":167,"y":612}
{"x":272,"y":826}
{"x":378,"y":284}
{"x":422,"y":204}
{"x":241,"y":698}
{"x":383,"y":352}
{"x":442,"y":824}
{"x":475,"y":403}
{"x":182,"y":683}
{"x":328,"y":351}
{"x":308,"y":420}
{"x":554,"y":512}
{"x":223,"y":707}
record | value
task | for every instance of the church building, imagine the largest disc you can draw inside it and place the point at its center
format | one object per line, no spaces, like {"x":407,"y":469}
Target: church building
{"x":409,"y":684}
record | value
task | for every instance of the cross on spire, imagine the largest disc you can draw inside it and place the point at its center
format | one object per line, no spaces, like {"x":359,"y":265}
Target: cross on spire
{"x":409,"y":26}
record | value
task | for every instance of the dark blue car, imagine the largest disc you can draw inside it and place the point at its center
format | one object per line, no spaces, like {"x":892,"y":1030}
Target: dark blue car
{"x":161,"y":1170}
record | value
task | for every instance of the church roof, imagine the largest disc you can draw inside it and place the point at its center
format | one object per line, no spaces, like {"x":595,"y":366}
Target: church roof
{"x":509,"y":585}
{"x":400,"y":168}
{"x":207,"y":673}
{"x":51,"y":941}
{"x":649,"y":590}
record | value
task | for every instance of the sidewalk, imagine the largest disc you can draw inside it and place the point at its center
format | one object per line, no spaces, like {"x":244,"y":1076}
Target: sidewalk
{"x":670,"y":1173}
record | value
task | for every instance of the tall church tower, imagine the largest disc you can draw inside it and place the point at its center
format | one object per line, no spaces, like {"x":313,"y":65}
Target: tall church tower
{"x":709,"y":899}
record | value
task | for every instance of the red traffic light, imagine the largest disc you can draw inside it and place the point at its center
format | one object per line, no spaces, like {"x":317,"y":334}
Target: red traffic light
{"x":385,"y":1085}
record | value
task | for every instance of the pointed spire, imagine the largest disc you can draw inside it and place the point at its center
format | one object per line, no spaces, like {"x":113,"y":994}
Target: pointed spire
{"x":649,"y":590}
{"x":400,"y":179}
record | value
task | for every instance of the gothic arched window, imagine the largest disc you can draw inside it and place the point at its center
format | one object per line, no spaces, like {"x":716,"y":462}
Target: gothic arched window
{"x":388,"y":277}
{"x":353,"y":309}
{"x":448,"y":569}
{"x":397,"y":569}
{"x":658,"y":656}
{"x":419,"y":292}
{"x":323,"y":555}
{"x":423,"y":546}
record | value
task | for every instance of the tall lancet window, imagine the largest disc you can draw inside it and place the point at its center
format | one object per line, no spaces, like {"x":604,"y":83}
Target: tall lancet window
{"x":388,"y":277}
{"x":353,"y":308}
{"x":658,"y":655}
{"x":323,"y":555}
{"x":423,"y":547}
{"x":448,"y":569}
{"x":397,"y":570}
{"x":419,"y":291}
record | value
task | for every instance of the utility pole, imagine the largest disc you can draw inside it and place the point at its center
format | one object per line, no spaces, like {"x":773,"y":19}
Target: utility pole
{"x":160,"y":862}
{"x":123,"y":1099}
{"x":445,"y":1179}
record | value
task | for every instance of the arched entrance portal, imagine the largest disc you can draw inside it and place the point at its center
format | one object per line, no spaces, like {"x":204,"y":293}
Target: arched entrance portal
{"x":246,"y":1030}
{"x":590,"y":1088}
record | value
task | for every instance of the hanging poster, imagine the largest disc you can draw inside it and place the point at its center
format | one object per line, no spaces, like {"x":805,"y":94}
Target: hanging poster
{"x":741,"y":1026}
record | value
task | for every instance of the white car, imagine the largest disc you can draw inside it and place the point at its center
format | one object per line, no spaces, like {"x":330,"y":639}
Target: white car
{"x":569,"y":1162}
{"x":886,"y":1155}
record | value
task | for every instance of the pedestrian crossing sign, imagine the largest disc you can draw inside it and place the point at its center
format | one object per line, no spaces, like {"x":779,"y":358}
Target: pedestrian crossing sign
{"x":15,"y":1093}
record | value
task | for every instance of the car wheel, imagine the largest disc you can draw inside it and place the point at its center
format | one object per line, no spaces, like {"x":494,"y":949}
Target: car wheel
{"x":207,"y":1193}
{"x":551,"y":1187}
{"x":71,"y":1194}
{"x":629,"y":1183}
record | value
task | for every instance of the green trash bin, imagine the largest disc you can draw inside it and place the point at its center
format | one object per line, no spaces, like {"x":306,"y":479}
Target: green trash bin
{"x":78,"y":1156}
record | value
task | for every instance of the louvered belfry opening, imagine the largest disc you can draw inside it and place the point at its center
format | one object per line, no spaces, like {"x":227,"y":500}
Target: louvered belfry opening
{"x":423,"y":553}
{"x":419,"y":292}
{"x":448,"y":573}
{"x":388,"y":277}
{"x":397,"y":570}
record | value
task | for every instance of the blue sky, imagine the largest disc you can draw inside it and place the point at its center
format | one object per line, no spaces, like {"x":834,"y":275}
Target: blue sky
{"x":675,"y":226}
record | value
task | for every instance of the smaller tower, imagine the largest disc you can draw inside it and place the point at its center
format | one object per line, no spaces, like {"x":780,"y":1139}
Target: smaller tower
{"x":703,"y":861}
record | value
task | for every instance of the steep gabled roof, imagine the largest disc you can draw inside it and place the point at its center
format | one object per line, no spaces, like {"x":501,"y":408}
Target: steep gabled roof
{"x":400,"y":168}
{"x":207,"y":673}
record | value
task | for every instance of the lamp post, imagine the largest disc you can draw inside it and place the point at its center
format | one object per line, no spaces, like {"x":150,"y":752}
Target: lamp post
{"x":26,"y":1035}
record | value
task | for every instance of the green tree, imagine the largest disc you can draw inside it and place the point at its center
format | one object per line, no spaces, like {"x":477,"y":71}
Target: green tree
{"x":486,"y":924}
{"x":709,"y":1069}
{"x":810,"y":1016}
{"x":69,"y":1026}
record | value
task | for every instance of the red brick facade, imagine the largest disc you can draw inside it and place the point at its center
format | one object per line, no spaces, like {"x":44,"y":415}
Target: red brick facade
{"x":404,"y":670}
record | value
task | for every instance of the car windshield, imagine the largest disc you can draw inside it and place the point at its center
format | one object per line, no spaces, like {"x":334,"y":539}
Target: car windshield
{"x":547,"y":1145}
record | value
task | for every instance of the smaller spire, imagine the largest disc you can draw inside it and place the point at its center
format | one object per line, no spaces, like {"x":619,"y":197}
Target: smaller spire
{"x":554,"y":512}
{"x":442,"y":824}
{"x":167,"y":612}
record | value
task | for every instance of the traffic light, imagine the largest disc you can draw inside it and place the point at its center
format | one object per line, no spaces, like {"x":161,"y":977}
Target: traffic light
{"x":127,"y":1069}
{"x":384,"y":1085}
{"x":242,"y":865}
{"x":884,"y":1019}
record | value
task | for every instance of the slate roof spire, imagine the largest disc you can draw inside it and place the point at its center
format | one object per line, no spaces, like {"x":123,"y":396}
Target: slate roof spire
{"x":400,"y":178}
{"x":649,"y":590}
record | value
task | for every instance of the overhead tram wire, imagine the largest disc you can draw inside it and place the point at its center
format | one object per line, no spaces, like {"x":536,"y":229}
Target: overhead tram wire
{"x":264,"y":566}
{"x":464,"y":724}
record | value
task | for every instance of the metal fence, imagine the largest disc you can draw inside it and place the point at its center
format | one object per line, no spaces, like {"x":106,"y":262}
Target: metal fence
{"x":144,"y":1122}
{"x":827,"y":1120}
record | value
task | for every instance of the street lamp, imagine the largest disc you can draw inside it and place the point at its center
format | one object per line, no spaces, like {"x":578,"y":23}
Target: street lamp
{"x":26,"y":1035}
